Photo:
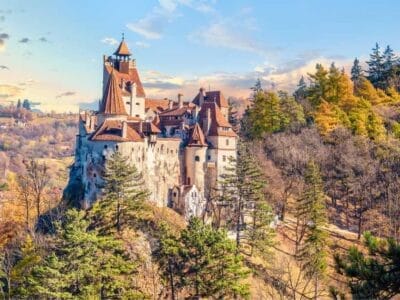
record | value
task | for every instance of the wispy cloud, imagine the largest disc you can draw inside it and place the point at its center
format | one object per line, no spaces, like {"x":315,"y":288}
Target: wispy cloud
{"x":43,"y":40}
{"x":3,"y":67}
{"x":66,"y":94}
{"x":109,"y":41}
{"x":152,"y":26}
{"x":142,"y":44}
{"x":3,"y":38}
{"x":27,"y":82}
{"x":9,"y":91}
{"x":24,"y":40}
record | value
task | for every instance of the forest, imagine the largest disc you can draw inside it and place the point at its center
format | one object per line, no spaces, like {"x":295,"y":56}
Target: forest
{"x":309,"y":209}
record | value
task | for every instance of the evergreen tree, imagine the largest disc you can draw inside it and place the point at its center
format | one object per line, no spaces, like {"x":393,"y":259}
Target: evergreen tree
{"x":301,"y":91}
{"x":83,"y":265}
{"x":389,"y":71}
{"x":257,"y":88}
{"x":318,"y":87}
{"x":124,"y":195}
{"x":311,"y":213}
{"x":26,"y":104}
{"x":292,"y":112}
{"x":376,"y":68}
{"x":19,"y":104}
{"x":242,"y":193}
{"x":233,"y":117}
{"x":356,"y":71}
{"x":376,"y":275}
{"x":210,"y":265}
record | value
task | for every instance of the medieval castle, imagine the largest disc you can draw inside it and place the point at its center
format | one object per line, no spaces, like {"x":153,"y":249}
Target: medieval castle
{"x":180,"y":147}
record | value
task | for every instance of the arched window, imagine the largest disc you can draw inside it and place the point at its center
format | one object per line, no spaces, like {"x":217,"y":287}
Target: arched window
{"x":197,"y":158}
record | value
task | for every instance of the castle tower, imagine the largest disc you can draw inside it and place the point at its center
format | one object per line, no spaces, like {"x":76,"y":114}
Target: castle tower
{"x":195,"y":158}
{"x":128,"y":79}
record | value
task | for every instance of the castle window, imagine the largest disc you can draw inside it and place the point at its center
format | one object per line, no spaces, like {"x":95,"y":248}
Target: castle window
{"x":137,"y":103}
{"x":94,"y":175}
{"x":197,"y":158}
{"x":137,"y":116}
{"x":209,"y":157}
{"x":227,"y":142}
{"x":105,"y":146}
{"x":116,"y":147}
{"x":174,"y":194}
{"x":223,"y":158}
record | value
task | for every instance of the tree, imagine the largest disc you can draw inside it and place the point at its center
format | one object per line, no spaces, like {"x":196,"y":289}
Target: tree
{"x":210,"y":265}
{"x":292,"y":112}
{"x":376,"y":68}
{"x":265,"y":115}
{"x":311,"y":223}
{"x":301,"y":91}
{"x":356,"y":71}
{"x":37,"y":179}
{"x":376,"y":275}
{"x":257,"y":87}
{"x":83,"y":265}
{"x":19,"y":104}
{"x":233,"y":117}
{"x":318,"y":87}
{"x":389,"y":71}
{"x":242,"y":193}
{"x":124,"y":195}
{"x":26,"y":104}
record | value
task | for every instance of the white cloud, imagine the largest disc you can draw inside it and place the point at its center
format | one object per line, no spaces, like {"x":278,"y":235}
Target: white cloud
{"x":109,"y":41}
{"x":8,"y":91}
{"x":142,"y":44}
{"x":152,"y":25}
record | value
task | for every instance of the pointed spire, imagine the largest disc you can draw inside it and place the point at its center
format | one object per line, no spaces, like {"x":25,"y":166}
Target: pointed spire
{"x":112,"y":99}
{"x":122,"y":49}
{"x":197,"y":138}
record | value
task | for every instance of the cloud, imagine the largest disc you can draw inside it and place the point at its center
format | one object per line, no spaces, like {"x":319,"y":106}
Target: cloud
{"x":4,"y":36}
{"x":66,"y":94}
{"x":43,"y":39}
{"x":142,"y":44}
{"x":109,"y":41}
{"x":24,"y":41}
{"x":9,"y":91}
{"x":152,"y":25}
{"x":27,"y":82}
{"x":3,"y":67}
{"x":158,"y":81}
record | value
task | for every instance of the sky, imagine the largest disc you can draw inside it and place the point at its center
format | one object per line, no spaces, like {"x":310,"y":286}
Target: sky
{"x":51,"y":50}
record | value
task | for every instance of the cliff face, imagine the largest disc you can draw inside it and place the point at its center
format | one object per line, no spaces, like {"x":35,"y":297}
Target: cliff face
{"x":74,"y":191}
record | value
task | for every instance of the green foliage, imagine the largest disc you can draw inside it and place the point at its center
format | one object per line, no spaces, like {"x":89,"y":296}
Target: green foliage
{"x":203,"y":262}
{"x":83,"y":265}
{"x":311,"y":210}
{"x":124,"y":195}
{"x":292,"y":112}
{"x":376,"y":275}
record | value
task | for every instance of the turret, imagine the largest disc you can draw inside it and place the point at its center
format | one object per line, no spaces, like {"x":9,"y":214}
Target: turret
{"x":195,"y":158}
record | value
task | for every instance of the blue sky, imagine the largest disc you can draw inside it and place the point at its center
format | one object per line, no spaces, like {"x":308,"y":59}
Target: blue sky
{"x":51,"y":50}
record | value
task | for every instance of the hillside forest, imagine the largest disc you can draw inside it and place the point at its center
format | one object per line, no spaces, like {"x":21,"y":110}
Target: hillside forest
{"x":310,"y":209}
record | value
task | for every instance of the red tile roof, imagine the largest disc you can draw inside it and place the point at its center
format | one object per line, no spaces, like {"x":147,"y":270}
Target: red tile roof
{"x":112,"y":99}
{"x":212,"y":96}
{"x":132,"y":76}
{"x":111,"y":130}
{"x":122,"y":49}
{"x":156,"y":104}
{"x":219,"y":125}
{"x":197,"y":138}
{"x":176,"y":111}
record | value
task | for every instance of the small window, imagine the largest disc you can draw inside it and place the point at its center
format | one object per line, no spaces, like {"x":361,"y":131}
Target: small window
{"x":227,"y":142}
{"x":209,"y":157}
{"x":105,"y":146}
{"x":137,"y":116}
{"x":197,"y":158}
{"x":116,"y":147}
{"x":94,"y":175}
{"x":137,"y":103}
{"x":223,"y":158}
{"x":175,"y":194}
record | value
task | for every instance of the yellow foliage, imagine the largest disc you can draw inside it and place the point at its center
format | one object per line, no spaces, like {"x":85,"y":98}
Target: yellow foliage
{"x":329,"y":116}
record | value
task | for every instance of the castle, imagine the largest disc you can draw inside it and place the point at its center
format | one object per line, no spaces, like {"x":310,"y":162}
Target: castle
{"x":180,"y":147}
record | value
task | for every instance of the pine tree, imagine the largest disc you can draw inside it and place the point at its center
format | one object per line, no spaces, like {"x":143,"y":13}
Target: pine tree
{"x":318,"y":87}
{"x":356,"y":71}
{"x":292,"y":112}
{"x":332,"y":94}
{"x":311,"y":213}
{"x":83,"y":265}
{"x":210,"y":265}
{"x":242,"y":191}
{"x":389,"y":72}
{"x":124,"y":195}
{"x":376,"y":275}
{"x":19,"y":104}
{"x":257,"y":87}
{"x":301,"y":91}
{"x":233,"y":117}
{"x":376,"y":68}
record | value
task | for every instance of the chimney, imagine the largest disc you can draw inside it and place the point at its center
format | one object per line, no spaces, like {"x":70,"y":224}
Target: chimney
{"x":180,"y":100}
{"x":140,"y":127}
{"x":170,"y":104}
{"x":201,"y":96}
{"x":124,"y":129}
